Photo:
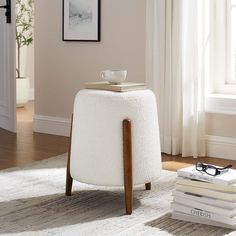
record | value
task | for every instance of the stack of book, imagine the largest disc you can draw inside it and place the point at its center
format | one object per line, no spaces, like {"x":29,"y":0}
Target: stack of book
{"x":201,"y":198}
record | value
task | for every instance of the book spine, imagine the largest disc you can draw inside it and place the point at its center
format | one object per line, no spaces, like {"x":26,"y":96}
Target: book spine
{"x":207,"y":200}
{"x":201,"y":184}
{"x":206,"y":207}
{"x":207,"y":192}
{"x":201,"y":177}
{"x":194,"y":219}
{"x":203,"y":214}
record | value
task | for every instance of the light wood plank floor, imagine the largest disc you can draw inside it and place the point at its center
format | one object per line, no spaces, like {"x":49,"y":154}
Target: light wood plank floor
{"x":174,"y":163}
{"x":27,"y":146}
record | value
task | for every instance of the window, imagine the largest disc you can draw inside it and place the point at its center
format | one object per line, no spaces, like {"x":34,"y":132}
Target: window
{"x":223,"y":47}
{"x":221,"y":57}
{"x":231,"y":42}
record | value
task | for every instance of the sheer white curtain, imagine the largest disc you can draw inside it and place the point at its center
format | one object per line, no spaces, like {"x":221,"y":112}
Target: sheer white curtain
{"x":175,"y":72}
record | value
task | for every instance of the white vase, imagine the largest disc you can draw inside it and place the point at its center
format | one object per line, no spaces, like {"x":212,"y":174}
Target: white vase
{"x":22,"y":91}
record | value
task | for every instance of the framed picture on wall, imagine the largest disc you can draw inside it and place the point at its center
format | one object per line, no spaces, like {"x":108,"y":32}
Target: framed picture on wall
{"x":81,"y":20}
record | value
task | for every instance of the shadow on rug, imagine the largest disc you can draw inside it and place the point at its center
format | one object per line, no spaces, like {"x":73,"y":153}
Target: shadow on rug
{"x":53,"y":211}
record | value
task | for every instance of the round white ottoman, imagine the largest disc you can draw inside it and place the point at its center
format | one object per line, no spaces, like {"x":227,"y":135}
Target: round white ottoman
{"x":97,"y":139}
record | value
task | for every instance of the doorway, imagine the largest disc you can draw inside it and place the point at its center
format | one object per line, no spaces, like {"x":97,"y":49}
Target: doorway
{"x":24,"y":19}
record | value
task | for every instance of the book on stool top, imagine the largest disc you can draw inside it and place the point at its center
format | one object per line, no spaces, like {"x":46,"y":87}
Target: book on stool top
{"x":122,"y":87}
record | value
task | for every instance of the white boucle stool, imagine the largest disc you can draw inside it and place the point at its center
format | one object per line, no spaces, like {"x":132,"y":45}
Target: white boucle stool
{"x":114,"y":140}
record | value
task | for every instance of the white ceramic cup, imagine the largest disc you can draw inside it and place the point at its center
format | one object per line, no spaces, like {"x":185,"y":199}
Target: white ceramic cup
{"x":114,"y":76}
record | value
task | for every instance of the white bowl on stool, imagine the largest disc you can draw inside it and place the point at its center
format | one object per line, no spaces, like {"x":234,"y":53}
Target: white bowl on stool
{"x":114,"y":76}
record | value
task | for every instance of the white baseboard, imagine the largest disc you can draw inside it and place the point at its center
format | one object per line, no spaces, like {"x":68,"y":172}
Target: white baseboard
{"x":52,"y":125}
{"x":221,"y":147}
{"x":31,"y":94}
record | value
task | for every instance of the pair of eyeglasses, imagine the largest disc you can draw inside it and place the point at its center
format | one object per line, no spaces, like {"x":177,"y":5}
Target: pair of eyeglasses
{"x":211,"y":170}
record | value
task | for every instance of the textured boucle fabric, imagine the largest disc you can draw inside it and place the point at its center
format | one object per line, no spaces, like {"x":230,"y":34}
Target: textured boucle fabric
{"x":97,"y":144}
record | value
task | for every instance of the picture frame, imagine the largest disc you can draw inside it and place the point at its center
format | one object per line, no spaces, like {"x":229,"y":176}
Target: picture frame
{"x":81,"y":20}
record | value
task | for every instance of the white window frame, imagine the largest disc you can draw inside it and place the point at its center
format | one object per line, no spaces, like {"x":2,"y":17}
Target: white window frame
{"x":229,"y":79}
{"x":221,"y":92}
{"x":220,"y":57}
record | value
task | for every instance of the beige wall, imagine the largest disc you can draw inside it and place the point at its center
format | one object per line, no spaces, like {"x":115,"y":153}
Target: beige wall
{"x":221,"y":125}
{"x":61,"y":68}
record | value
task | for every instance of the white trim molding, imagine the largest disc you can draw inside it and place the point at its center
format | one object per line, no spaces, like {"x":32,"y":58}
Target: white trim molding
{"x":221,"y":103}
{"x":52,"y":125}
{"x":221,"y":147}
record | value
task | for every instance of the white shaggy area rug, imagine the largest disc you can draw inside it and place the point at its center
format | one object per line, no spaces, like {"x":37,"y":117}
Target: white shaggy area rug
{"x":32,"y":202}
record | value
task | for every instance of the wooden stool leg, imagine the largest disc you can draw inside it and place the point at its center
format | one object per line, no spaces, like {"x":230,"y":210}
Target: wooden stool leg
{"x":148,"y":186}
{"x":127,"y":155}
{"x":69,"y":180}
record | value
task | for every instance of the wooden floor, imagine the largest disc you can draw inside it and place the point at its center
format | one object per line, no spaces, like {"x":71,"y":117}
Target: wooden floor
{"x":174,"y":163}
{"x":26,"y":146}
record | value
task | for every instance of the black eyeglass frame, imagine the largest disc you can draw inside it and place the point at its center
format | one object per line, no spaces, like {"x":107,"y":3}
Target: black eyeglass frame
{"x":218,"y":171}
